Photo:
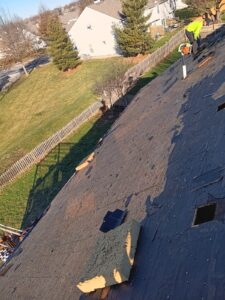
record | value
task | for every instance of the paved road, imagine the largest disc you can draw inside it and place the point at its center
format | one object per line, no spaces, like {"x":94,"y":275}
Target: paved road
{"x":7,"y":76}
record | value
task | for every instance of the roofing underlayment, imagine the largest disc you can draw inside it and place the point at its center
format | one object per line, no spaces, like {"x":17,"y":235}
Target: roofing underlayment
{"x":163,"y":158}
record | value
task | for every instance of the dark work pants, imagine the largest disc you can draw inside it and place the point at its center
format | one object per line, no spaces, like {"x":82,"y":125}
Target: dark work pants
{"x":195,"y":43}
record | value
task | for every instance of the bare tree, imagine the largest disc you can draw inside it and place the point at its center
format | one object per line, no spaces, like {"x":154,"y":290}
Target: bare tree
{"x":202,"y":6}
{"x":71,"y":6}
{"x":16,"y":43}
{"x":84,"y":3}
{"x":45,"y":16}
{"x":111,"y":86}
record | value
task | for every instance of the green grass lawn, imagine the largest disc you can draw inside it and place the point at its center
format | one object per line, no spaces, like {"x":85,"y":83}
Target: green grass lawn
{"x":37,"y":106}
{"x":23,"y":200}
{"x":163,"y":40}
{"x":186,"y":14}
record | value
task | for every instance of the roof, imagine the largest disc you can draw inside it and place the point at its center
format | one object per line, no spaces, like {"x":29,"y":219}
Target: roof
{"x":113,"y":8}
{"x":163,"y":158}
{"x":69,"y":18}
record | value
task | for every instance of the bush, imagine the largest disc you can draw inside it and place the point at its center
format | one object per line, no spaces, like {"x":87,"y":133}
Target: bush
{"x":186,"y":14}
{"x":223,"y":17}
{"x":112,"y":83}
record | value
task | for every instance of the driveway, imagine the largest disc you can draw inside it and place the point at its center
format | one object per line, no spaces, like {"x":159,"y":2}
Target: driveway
{"x":7,"y":77}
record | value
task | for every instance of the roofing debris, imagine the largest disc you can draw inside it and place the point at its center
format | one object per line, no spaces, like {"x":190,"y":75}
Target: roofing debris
{"x":9,"y":241}
{"x":112,"y":258}
{"x":85,"y":163}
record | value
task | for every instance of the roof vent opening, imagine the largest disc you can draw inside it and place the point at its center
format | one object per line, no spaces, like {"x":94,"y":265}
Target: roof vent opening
{"x":221,"y":106}
{"x":204,"y":214}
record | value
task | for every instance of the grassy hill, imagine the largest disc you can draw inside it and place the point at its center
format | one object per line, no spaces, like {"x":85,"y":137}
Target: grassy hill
{"x":24,"y":199}
{"x":38,"y":106}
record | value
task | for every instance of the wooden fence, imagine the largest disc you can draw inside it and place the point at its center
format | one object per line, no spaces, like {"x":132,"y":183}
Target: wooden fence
{"x":44,"y":148}
{"x":38,"y":153}
{"x":153,"y":59}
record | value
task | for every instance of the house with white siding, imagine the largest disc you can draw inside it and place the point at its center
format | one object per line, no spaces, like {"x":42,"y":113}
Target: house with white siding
{"x":180,"y":4}
{"x":93,"y":33}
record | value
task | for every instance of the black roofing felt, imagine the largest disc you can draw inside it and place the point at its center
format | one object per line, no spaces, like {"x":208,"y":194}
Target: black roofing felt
{"x":163,"y":159}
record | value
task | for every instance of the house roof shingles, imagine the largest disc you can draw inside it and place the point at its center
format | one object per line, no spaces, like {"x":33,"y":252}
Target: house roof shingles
{"x":162,"y":158}
{"x":69,"y":18}
{"x":113,"y":8}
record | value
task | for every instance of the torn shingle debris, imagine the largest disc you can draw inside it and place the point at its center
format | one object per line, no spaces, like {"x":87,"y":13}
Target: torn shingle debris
{"x":112,"y":258}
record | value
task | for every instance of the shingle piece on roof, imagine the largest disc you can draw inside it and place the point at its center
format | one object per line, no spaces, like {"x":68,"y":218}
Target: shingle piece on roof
{"x":112,"y":259}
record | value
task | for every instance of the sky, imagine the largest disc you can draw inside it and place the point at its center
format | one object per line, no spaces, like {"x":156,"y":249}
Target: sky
{"x":27,"y":8}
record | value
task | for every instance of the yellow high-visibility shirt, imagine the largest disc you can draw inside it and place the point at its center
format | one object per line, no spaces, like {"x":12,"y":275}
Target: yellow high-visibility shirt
{"x":195,"y":27}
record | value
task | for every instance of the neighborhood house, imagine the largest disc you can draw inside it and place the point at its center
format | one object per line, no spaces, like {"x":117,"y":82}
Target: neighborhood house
{"x":93,"y":33}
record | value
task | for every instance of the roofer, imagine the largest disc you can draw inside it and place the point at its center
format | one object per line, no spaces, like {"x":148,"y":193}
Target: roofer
{"x":192,"y":32}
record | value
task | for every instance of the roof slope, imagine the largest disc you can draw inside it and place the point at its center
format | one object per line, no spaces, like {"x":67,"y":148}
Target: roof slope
{"x":69,"y":18}
{"x":161,"y":159}
{"x":113,"y":8}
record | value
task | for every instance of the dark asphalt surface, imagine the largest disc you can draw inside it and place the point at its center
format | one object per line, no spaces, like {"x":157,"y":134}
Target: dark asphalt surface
{"x":5,"y":75}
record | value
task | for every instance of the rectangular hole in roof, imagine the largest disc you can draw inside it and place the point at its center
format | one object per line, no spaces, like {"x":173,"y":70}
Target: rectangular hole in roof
{"x":205,"y":214}
{"x":221,"y":106}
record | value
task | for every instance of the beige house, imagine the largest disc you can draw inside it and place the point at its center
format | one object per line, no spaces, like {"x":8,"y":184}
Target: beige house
{"x":93,"y":34}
